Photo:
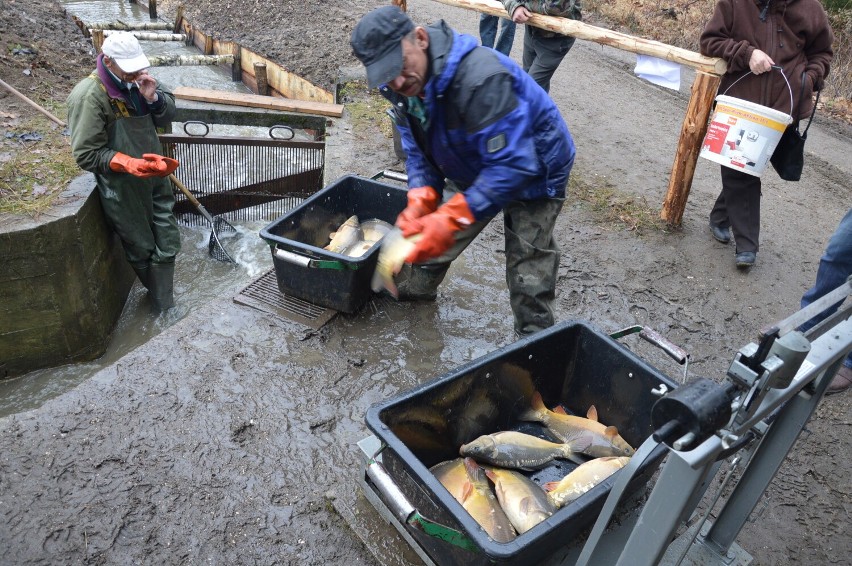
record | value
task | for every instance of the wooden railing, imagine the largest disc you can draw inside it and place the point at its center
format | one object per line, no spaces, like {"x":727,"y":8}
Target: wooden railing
{"x":709,"y":71}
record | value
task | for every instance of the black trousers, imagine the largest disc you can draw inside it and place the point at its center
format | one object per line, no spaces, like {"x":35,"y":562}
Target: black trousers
{"x":738,"y":207}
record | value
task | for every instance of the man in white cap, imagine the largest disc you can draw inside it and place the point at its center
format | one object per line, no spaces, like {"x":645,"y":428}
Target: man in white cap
{"x":113,"y":115}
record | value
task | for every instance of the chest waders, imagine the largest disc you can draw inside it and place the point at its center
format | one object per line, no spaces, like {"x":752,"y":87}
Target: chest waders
{"x":140,"y":210}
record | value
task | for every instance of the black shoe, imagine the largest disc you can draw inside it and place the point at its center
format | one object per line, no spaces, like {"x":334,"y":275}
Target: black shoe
{"x":746,"y":259}
{"x":721,"y":234}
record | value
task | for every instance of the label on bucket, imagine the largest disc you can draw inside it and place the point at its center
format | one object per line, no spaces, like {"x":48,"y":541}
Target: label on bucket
{"x":743,"y":135}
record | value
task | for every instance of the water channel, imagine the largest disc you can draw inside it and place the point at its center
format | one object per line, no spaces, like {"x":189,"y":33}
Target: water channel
{"x":198,"y":277}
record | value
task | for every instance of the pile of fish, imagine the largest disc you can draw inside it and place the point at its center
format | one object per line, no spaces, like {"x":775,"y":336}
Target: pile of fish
{"x":516,"y":503}
{"x":354,"y":238}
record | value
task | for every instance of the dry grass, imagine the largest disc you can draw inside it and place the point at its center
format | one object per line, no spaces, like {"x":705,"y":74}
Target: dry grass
{"x":679,"y":23}
{"x":34,"y":174}
{"x":617,"y":209}
{"x":366,"y":107}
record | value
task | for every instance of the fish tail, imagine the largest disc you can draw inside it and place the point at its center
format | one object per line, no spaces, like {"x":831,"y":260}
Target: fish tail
{"x":536,"y":411}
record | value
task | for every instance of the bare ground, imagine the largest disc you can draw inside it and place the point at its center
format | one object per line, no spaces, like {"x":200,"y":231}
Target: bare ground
{"x":225,"y":439}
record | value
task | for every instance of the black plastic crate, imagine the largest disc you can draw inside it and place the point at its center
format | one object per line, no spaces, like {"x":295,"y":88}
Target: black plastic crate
{"x":304,"y":269}
{"x":571,"y":364}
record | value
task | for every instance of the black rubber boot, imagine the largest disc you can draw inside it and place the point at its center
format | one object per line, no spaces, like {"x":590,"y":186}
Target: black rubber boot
{"x":161,"y":289}
{"x":143,"y":272}
{"x":420,"y":282}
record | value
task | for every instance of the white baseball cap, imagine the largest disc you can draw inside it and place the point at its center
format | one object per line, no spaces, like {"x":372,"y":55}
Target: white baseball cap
{"x":123,"y":48}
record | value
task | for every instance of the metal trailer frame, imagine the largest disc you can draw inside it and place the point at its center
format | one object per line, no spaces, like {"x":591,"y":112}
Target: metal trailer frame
{"x":766,"y":422}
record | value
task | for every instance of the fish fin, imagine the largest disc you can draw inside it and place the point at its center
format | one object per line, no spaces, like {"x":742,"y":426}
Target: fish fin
{"x":471,"y":467}
{"x":526,"y":505}
{"x":550,"y":486}
{"x":610,"y":432}
{"x":466,"y":491}
{"x":491,"y":475}
{"x":592,"y":414}
{"x":534,"y":412}
{"x":560,"y":410}
{"x":576,"y":447}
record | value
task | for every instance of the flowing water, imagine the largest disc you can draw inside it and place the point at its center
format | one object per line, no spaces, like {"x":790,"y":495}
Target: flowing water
{"x":198,"y":278}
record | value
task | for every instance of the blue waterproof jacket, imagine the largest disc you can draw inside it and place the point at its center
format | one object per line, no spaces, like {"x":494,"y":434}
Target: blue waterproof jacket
{"x":488,"y":127}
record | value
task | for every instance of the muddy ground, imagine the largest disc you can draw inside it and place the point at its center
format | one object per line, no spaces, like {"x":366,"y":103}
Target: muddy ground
{"x":230,"y":438}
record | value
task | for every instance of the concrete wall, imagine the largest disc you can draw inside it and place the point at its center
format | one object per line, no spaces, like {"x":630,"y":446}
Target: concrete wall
{"x":63,"y":283}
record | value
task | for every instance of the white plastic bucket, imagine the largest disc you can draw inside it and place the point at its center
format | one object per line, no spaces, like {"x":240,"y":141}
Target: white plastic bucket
{"x":742,"y":135}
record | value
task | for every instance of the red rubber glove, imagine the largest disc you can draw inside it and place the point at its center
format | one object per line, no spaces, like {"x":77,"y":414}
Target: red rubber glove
{"x":437,"y":229}
{"x":151,"y":165}
{"x":421,"y":201}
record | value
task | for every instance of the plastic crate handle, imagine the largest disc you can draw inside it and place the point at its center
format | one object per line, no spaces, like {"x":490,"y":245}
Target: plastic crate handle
{"x":400,"y":506}
{"x":305,"y":261}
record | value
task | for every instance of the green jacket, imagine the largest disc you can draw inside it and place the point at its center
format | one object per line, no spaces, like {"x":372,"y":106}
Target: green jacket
{"x":90,"y":116}
{"x":562,"y":8}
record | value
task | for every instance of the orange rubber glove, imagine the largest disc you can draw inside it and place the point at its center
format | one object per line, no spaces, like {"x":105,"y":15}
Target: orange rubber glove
{"x":166,"y":165}
{"x":438,"y":228}
{"x":151,"y":165}
{"x":421,"y":201}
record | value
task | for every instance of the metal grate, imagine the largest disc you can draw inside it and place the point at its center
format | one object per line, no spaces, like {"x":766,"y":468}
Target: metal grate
{"x":263,"y":294}
{"x":242,"y":178}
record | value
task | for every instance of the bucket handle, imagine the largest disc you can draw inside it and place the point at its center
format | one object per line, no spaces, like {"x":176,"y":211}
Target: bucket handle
{"x":780,"y":70}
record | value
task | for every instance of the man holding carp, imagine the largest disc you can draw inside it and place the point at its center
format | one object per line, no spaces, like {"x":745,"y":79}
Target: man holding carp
{"x":481,"y":137}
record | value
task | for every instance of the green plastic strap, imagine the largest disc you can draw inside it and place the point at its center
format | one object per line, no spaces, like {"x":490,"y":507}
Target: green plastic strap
{"x":625,"y":332}
{"x":332,"y":264}
{"x":442,"y":532}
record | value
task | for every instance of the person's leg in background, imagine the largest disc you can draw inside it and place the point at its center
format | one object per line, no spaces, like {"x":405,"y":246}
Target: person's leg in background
{"x":487,"y":29}
{"x":738,"y":206}
{"x":835,"y":267}
{"x":543,"y":52}
{"x":506,"y":37}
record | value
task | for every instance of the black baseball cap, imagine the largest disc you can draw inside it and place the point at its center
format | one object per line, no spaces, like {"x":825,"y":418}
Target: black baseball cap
{"x":377,"y":43}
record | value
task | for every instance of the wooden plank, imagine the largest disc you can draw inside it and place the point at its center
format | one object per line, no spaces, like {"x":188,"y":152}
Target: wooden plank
{"x":258,"y":101}
{"x":603,"y":36}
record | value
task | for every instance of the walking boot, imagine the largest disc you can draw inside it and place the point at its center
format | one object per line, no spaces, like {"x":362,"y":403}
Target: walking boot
{"x":720,"y":234}
{"x":161,"y":291}
{"x":841,"y":382}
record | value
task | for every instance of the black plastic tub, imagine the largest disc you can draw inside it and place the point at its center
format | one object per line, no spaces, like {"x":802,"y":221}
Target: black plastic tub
{"x":571,"y":364}
{"x":307,"y":271}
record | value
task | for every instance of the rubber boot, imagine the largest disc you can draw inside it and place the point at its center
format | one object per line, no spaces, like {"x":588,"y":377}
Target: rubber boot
{"x":420,"y":282}
{"x":161,"y":289}
{"x":143,"y":272}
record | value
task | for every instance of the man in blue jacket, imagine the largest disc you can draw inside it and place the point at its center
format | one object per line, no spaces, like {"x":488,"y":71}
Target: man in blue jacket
{"x":481,"y":137}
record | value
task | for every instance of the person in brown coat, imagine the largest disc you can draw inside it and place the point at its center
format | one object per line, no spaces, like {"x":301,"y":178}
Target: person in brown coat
{"x":756,"y":36}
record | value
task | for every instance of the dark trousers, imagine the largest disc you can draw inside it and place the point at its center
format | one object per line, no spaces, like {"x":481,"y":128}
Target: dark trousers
{"x":738,"y":207}
{"x":543,"y":52}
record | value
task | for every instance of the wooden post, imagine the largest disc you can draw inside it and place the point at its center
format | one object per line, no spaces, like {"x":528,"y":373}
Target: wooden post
{"x":689,"y":146}
{"x":208,"y":45}
{"x":237,"y":65}
{"x":260,"y":77}
{"x":83,"y":27}
{"x":190,"y":35}
{"x":97,"y":39}
{"x":152,"y":9}
{"x":178,"y":19}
